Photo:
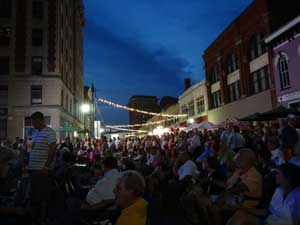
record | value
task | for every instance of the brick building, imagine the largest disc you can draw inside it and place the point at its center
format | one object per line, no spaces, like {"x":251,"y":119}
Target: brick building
{"x":239,"y":78}
{"x":146,"y":103}
{"x":41,"y":61}
{"x":284,"y":47}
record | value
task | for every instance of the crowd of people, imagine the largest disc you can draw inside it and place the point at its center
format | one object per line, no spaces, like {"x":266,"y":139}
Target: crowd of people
{"x":232,"y":175}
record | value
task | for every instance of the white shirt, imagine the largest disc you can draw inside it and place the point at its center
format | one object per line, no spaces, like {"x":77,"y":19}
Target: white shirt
{"x":188,"y":168}
{"x":104,"y":188}
{"x":284,"y":211}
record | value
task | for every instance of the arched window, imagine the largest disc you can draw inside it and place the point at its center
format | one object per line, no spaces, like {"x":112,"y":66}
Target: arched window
{"x":214,"y":77}
{"x":232,"y":63}
{"x":283,"y":68}
{"x":257,"y":46}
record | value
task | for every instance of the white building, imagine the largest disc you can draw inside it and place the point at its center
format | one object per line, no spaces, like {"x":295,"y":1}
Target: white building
{"x":194,"y":102}
{"x":41,"y":61}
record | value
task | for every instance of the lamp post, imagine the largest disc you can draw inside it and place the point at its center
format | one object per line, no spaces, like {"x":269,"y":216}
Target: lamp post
{"x":85,"y":109}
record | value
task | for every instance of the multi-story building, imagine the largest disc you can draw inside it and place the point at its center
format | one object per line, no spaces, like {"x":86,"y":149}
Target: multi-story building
{"x":89,"y":116}
{"x":41,"y":64}
{"x":193,"y":102}
{"x":237,"y":63}
{"x":284,"y":46}
{"x":146,"y":103}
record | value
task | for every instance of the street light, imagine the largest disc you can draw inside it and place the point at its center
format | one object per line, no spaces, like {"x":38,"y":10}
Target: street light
{"x":85,"y":108}
{"x":191,"y":120}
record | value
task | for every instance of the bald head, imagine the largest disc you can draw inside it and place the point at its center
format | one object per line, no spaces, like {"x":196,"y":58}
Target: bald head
{"x":245,"y":159}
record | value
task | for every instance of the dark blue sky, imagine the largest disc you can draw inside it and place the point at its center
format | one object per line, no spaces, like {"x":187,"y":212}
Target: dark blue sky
{"x":147,"y":47}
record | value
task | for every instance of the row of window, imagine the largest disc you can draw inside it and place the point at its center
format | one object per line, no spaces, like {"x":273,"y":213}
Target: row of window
{"x":37,"y":9}
{"x":36,"y":65}
{"x":256,"y":49}
{"x":190,"y":108}
{"x":258,"y":81}
{"x":5,"y":36}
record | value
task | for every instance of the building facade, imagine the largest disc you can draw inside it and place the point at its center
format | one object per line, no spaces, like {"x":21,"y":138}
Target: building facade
{"x":41,"y":64}
{"x":284,"y":46}
{"x":146,"y":103}
{"x":239,"y":79}
{"x":193,"y":102}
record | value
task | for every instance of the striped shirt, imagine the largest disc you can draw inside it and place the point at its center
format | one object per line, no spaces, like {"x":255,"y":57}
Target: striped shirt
{"x":40,"y":147}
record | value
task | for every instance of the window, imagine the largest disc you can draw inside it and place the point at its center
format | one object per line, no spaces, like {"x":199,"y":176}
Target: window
{"x":3,"y":95}
{"x":37,"y":37}
{"x":36,"y":94}
{"x":191,"y":108}
{"x":200,"y":104}
{"x":257,"y":46}
{"x":71,"y":106}
{"x":3,"y":129}
{"x":5,"y":34}
{"x":283,"y":68}
{"x":232,"y":63}
{"x":37,"y":9}
{"x":215,"y":99}
{"x":184,"y":109}
{"x":5,"y":8}
{"x":62,"y":98}
{"x":234,"y":91}
{"x":214,"y":75}
{"x":67,"y":103}
{"x":259,"y":81}
{"x":4,"y":65}
{"x":37,"y":65}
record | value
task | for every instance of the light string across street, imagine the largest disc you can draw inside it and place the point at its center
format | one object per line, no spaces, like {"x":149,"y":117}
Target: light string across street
{"x":116,"y":105}
{"x":141,"y":124}
{"x":122,"y":129}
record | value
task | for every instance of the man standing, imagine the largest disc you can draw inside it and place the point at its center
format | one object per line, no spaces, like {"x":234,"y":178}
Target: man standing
{"x":40,"y":163}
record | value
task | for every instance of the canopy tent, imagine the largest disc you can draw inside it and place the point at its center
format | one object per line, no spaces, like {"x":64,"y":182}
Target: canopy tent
{"x":255,"y":117}
{"x":67,"y":129}
{"x":233,"y":120}
{"x":84,"y":131}
{"x":201,"y":126}
{"x":280,"y":112}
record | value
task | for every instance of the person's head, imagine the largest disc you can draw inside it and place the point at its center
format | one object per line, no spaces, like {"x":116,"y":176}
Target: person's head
{"x":17,"y":140}
{"x":273,"y":143}
{"x":37,"y":119}
{"x":5,"y":156}
{"x":110,"y":163}
{"x":283,"y":122}
{"x":245,"y":159}
{"x":236,"y":129}
{"x":129,"y":189}
{"x":184,"y":157}
{"x":288,"y":176}
{"x":68,"y":141}
{"x":292,"y":120}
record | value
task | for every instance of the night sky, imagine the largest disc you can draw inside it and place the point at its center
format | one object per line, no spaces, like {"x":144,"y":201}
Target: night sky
{"x":147,"y":47}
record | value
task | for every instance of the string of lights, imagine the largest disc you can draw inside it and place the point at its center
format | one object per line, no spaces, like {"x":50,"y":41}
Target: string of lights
{"x":142,"y":124}
{"x":122,"y":129}
{"x":138,"y":110}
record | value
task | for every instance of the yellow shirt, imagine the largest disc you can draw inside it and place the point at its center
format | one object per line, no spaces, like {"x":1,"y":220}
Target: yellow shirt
{"x":253,"y":180}
{"x":136,"y":214}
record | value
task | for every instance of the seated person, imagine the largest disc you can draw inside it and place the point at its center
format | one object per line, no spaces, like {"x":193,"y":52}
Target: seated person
{"x":102,"y":194}
{"x":285,"y":204}
{"x":187,"y":168}
{"x":246,"y":181}
{"x":129,"y":191}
